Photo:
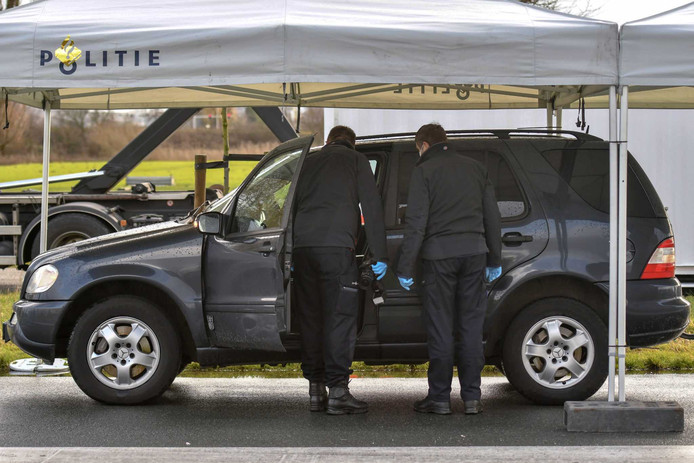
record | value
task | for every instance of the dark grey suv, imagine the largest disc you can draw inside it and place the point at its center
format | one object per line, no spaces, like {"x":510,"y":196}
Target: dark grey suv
{"x":130,"y":309}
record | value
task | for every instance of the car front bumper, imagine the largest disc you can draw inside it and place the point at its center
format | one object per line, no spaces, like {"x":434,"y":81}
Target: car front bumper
{"x":33,"y":327}
{"x":656,"y":311}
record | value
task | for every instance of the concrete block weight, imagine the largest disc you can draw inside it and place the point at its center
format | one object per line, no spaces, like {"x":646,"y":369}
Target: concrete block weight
{"x":600,"y":416}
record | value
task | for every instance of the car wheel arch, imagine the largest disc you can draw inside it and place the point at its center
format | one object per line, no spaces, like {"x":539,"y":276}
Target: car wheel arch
{"x":103,"y":289}
{"x":511,"y":304}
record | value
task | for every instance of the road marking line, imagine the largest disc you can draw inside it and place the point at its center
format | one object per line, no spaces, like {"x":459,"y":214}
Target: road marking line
{"x":530,"y":454}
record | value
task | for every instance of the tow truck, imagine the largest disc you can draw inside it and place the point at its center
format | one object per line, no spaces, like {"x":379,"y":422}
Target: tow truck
{"x":92,"y":208}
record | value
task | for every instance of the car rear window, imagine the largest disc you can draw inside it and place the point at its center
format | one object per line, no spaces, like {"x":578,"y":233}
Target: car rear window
{"x":587,"y":172}
{"x":509,"y":197}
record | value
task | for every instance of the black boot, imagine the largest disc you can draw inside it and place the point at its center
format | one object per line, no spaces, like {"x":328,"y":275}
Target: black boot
{"x":429,"y":405}
{"x":473,"y":407}
{"x":341,"y":402}
{"x":319,"y":396}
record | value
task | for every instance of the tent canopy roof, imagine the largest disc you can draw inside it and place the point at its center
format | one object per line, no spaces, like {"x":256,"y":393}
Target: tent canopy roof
{"x":364,"y":53}
{"x":658,"y":50}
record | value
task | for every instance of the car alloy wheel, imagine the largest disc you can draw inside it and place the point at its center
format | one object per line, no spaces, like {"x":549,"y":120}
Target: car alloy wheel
{"x":555,"y":350}
{"x":558,"y":352}
{"x":123,"y":353}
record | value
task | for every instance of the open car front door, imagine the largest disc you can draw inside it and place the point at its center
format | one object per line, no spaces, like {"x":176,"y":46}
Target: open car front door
{"x":246,"y":267}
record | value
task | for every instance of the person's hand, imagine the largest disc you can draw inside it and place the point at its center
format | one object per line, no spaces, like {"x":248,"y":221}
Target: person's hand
{"x":406,"y":282}
{"x":492,"y":273}
{"x":379,"y":269}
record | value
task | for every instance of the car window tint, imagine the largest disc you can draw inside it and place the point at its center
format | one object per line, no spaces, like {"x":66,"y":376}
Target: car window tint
{"x":587,"y":171}
{"x":508,"y":194}
{"x":261,"y":203}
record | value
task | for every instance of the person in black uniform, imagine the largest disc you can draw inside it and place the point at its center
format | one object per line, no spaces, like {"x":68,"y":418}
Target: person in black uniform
{"x":334,"y":183}
{"x":453,"y":219}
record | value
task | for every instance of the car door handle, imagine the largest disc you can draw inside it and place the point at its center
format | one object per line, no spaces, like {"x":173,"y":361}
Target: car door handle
{"x":249,"y":240}
{"x":515,"y":239}
{"x":266,"y":249}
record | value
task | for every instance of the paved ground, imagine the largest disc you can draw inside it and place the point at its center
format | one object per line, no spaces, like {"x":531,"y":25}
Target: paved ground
{"x":254,"y":412}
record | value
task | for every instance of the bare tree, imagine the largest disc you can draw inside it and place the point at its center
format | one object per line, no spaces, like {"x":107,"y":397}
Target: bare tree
{"x":549,"y":4}
{"x":10,"y":4}
{"x":12,"y":137}
{"x":576,"y":7}
{"x":73,"y":119}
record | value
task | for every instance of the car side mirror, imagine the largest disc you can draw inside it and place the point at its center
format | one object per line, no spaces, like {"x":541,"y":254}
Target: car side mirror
{"x":209,"y":223}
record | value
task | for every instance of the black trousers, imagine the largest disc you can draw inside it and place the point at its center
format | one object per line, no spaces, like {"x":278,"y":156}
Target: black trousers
{"x":454,"y":300}
{"x":327,"y":298}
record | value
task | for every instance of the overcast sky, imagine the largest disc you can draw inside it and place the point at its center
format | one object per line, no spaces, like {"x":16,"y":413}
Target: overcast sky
{"x":621,"y":11}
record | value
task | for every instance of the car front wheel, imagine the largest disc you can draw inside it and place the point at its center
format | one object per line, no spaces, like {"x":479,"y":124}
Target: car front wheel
{"x":556,"y":350}
{"x":123,"y":350}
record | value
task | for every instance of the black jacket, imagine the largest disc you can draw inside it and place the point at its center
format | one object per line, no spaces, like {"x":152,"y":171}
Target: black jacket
{"x":451,"y":210}
{"x":333,"y":183}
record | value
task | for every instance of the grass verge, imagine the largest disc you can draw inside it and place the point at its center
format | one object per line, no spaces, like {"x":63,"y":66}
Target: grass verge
{"x":675,"y":356}
{"x":182,"y":172}
{"x":8,"y":351}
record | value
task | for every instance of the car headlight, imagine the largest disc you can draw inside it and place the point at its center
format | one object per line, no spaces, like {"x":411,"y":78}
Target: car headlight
{"x":42,"y":279}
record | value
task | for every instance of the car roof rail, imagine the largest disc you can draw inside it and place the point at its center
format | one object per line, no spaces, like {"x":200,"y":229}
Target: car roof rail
{"x":499,"y":133}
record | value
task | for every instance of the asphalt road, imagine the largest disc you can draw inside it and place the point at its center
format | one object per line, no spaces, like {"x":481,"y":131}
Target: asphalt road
{"x":257,"y":412}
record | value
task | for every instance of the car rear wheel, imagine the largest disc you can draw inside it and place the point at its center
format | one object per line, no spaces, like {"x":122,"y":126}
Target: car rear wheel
{"x":123,"y":350}
{"x":556,"y":350}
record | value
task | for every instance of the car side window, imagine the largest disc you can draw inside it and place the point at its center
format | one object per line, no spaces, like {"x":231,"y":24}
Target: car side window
{"x":509,"y":197}
{"x":587,"y":171}
{"x":261,"y":203}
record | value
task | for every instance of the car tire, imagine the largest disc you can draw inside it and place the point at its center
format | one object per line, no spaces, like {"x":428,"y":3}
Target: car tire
{"x":556,"y":350}
{"x":124,"y":351}
{"x":70,"y":228}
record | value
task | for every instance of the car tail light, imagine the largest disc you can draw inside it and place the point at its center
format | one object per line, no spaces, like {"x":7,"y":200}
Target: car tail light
{"x":662,"y":262}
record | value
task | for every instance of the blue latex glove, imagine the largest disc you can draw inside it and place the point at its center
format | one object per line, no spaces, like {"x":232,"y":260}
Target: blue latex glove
{"x":406,"y":282}
{"x":379,"y":269}
{"x":492,"y":273}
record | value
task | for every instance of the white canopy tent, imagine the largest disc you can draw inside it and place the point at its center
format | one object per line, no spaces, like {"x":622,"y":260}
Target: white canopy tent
{"x":445,"y":54}
{"x":309,"y":52}
{"x":656,"y":54}
{"x":656,"y":71}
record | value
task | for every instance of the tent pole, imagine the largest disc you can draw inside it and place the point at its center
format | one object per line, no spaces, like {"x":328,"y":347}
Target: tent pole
{"x":559,"y":118}
{"x":622,"y":271}
{"x":225,"y":146}
{"x":612,"y":327}
{"x":549,"y":115}
{"x":46,"y":168}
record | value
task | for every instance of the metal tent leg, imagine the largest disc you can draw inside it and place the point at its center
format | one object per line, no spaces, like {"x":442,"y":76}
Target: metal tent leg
{"x":550,"y":119}
{"x":622,"y":241}
{"x":559,"y":114}
{"x":612,"y":326}
{"x":46,"y":169}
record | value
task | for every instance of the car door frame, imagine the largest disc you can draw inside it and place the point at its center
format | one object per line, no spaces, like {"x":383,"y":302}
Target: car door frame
{"x":245,"y":328}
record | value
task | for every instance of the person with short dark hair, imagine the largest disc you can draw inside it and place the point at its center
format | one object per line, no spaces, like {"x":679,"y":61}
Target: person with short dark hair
{"x":343,"y":133}
{"x":431,"y":134}
{"x":334,"y":182}
{"x":453,"y":222}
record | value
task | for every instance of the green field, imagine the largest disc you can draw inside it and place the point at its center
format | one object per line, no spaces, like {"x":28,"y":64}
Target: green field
{"x":677,"y":355}
{"x":182,"y":172}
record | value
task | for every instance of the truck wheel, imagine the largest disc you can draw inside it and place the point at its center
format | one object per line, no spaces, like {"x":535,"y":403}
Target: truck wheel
{"x":123,"y":350}
{"x":70,"y":228}
{"x":556,"y":350}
